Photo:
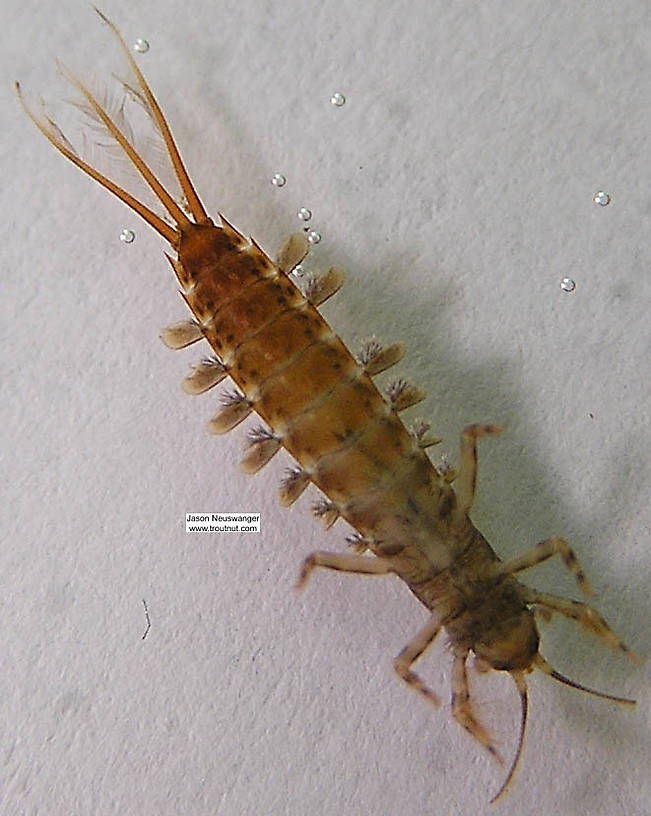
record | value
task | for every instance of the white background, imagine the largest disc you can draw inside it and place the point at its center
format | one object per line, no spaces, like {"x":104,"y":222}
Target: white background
{"x":455,"y":186}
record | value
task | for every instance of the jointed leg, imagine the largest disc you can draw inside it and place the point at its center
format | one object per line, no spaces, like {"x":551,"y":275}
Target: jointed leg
{"x":467,"y":477}
{"x":410,"y":654}
{"x":543,"y":551}
{"x":581,"y":613}
{"x":361,"y":564}
{"x":461,"y":708}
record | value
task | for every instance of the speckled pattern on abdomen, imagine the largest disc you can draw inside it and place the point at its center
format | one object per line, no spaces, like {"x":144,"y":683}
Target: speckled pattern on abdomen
{"x":305,"y":384}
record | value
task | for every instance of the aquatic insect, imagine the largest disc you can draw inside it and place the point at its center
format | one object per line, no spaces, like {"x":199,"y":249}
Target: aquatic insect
{"x":320,"y":404}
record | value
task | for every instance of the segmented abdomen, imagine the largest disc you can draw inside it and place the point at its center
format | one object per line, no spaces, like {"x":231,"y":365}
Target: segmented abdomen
{"x":318,"y":401}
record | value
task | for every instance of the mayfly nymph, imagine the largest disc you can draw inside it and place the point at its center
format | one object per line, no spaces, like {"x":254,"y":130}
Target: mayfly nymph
{"x":319,"y":402}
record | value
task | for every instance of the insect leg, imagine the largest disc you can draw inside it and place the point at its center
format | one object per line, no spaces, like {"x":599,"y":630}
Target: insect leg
{"x":410,"y":654}
{"x":461,"y":708}
{"x":541,"y":552}
{"x":361,"y":564}
{"x":588,"y":617}
{"x":467,"y":478}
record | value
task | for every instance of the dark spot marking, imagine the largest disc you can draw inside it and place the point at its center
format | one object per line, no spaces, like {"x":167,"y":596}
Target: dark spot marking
{"x":391,"y":549}
{"x":446,"y":504}
{"x":404,"y":520}
{"x":411,"y":504}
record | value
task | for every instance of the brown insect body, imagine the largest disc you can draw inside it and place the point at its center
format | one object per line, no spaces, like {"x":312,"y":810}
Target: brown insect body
{"x":362,"y":458}
{"x":294,"y":372}
{"x":322,"y":406}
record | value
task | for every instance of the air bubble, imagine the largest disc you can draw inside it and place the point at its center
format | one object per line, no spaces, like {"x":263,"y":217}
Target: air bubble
{"x":337,"y":99}
{"x":568,"y":285}
{"x":127,"y":236}
{"x":141,"y":46}
{"x":304,"y":214}
{"x":601,"y":198}
{"x":313,"y":237}
{"x":444,"y":466}
{"x":278,"y":180}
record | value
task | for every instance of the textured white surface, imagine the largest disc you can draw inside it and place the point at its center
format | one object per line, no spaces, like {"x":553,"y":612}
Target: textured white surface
{"x":456,"y":187}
